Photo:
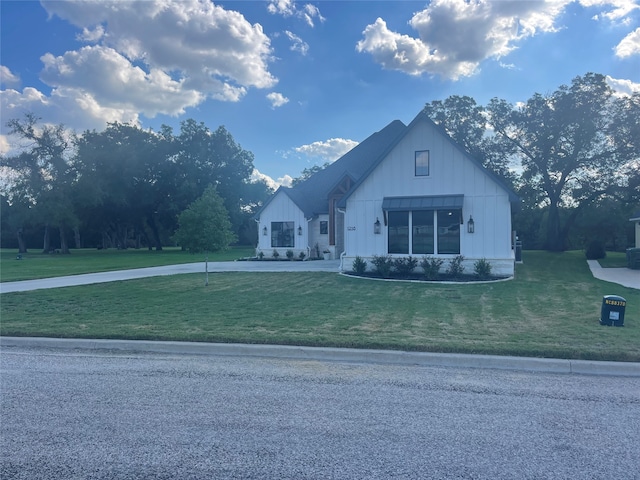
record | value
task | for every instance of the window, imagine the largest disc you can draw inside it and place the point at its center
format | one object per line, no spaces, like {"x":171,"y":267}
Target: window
{"x":449,"y":231}
{"x":398,"y":232}
{"x":424,"y":232}
{"x":422,"y":163}
{"x":282,"y":234}
{"x":324,"y":227}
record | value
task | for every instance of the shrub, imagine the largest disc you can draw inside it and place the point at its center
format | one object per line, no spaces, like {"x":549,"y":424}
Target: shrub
{"x":302,"y":255}
{"x":595,"y":250}
{"x":405,"y":266}
{"x":275,"y":254}
{"x":455,"y":268}
{"x":382,"y":264}
{"x":482,"y":268}
{"x":289,"y":254}
{"x":431,"y":267}
{"x":359,"y":265}
{"x":260,"y":255}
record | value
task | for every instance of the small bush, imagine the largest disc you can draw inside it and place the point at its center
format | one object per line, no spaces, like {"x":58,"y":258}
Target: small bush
{"x":405,"y":266}
{"x":482,"y":268}
{"x":302,"y":255}
{"x":359,"y":265}
{"x":260,"y":255}
{"x":382,"y":264}
{"x":455,"y":268}
{"x":275,"y":254}
{"x":289,"y":254}
{"x":431,"y":267}
{"x":595,"y":250}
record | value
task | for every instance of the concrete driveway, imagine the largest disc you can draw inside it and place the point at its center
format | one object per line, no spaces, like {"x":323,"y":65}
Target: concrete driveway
{"x":214,"y":267}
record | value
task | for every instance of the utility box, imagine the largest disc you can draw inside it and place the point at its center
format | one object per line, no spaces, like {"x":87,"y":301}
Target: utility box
{"x":612,"y":312}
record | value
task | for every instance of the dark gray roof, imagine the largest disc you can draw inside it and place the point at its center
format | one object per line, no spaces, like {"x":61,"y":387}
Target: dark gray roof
{"x":311,"y":196}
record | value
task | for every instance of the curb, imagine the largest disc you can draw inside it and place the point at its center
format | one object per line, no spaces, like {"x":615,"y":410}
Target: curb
{"x":389,"y":357}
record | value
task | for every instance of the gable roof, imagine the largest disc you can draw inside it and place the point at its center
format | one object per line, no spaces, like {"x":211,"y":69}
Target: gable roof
{"x":311,"y":195}
{"x":423,"y":117}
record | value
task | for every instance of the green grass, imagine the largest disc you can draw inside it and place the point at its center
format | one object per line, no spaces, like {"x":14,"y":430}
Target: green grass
{"x":37,"y":265}
{"x":551,"y":309}
{"x":614,"y":260}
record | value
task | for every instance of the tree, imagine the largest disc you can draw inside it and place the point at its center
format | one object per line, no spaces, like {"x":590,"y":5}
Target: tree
{"x":308,"y":172}
{"x":43,"y":175}
{"x":206,"y":157}
{"x":204,"y":226}
{"x":122,"y":178}
{"x":466,"y":122}
{"x":571,"y":149}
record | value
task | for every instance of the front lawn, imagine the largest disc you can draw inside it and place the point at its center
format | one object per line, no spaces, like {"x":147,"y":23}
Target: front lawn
{"x":551,"y":309}
{"x":34,"y":264}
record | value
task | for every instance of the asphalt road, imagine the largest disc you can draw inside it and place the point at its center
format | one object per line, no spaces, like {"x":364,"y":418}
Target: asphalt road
{"x":116,"y":415}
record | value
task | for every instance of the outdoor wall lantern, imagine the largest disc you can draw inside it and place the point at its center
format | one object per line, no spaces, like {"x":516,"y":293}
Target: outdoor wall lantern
{"x":264,"y":231}
{"x":471,"y":226}
{"x":376,"y":226}
{"x":299,"y":230}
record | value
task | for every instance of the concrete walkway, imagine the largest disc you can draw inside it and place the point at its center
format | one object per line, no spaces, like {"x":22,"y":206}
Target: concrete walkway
{"x":622,"y":276}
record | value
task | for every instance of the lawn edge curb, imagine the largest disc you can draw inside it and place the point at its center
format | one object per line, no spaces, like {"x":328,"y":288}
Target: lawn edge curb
{"x":391,"y":357}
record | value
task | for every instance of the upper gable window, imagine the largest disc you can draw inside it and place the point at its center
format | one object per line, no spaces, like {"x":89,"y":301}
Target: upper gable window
{"x":422,"y":163}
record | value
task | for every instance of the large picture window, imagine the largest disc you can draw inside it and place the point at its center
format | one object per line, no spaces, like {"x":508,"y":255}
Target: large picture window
{"x":398,"y":232}
{"x":449,"y":231}
{"x":424,"y":232}
{"x":282,"y":234}
{"x":422,"y":163}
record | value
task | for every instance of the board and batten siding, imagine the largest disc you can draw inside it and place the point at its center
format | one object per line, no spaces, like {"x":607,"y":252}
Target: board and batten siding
{"x":282,"y":209}
{"x":450,"y":173}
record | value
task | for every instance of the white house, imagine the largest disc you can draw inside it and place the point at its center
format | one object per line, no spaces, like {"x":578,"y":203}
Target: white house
{"x":404,"y":191}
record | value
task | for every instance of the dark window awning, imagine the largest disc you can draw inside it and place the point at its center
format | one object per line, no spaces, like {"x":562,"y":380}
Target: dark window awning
{"x":432,"y":202}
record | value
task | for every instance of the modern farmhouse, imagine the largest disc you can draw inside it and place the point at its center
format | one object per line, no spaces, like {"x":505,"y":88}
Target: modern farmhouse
{"x":407,"y":190}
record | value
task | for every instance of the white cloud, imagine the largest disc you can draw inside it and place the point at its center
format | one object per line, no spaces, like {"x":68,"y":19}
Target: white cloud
{"x":284,"y":181}
{"x":623,"y":87}
{"x":618,"y":9}
{"x":146,"y":57}
{"x":7,"y":77}
{"x":328,"y":150}
{"x":277,"y":99}
{"x":107,"y":78}
{"x":630,"y":45}
{"x":455,"y":36}
{"x":298,"y":45}
{"x":4,"y":145}
{"x":287,"y":8}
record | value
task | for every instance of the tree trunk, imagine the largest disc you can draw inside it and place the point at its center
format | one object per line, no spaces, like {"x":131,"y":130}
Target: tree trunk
{"x":154,"y":229}
{"x":46,"y":247}
{"x":22,"y":246}
{"x":76,"y":236}
{"x":64,"y":245}
{"x":554,"y":242}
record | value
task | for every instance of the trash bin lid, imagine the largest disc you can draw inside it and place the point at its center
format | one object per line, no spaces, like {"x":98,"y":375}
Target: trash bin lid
{"x":614,"y":297}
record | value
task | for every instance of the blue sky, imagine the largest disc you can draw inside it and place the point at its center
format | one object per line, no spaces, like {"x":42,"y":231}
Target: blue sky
{"x":297,"y":83}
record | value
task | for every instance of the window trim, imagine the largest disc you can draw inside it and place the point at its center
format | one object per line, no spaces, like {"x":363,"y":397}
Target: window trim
{"x":436,"y":232}
{"x":278,"y":232}
{"x":417,"y":154}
